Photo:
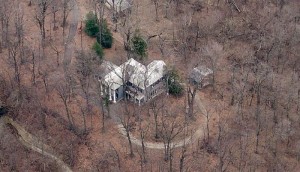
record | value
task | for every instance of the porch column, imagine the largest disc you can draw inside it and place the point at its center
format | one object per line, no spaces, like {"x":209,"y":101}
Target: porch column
{"x":109,"y":93}
{"x":114,"y":96}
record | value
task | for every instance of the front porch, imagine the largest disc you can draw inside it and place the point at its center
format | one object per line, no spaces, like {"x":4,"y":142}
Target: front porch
{"x":136,"y":97}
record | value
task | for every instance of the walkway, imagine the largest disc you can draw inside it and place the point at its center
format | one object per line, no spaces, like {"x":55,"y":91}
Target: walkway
{"x":33,"y":143}
{"x":69,"y":43}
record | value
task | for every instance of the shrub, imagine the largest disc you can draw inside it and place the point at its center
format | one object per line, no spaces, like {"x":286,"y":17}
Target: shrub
{"x":3,"y":110}
{"x":91,"y":25}
{"x":139,"y":46}
{"x":174,"y":86}
{"x":92,"y":29}
{"x":106,"y":38}
{"x":98,"y":49}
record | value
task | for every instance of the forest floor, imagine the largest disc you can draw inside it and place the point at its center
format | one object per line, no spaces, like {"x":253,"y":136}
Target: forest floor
{"x":1,"y":126}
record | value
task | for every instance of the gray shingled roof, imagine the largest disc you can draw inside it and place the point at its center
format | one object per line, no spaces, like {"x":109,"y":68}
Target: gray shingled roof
{"x":137,"y":72}
{"x":120,"y":5}
{"x":105,"y":68}
{"x":198,"y":73}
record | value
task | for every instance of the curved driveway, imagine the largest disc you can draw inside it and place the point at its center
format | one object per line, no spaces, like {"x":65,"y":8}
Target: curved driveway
{"x":69,"y":50}
{"x":159,"y":145}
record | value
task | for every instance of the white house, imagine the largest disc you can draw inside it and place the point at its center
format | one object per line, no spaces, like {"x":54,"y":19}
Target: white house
{"x":134,"y":81}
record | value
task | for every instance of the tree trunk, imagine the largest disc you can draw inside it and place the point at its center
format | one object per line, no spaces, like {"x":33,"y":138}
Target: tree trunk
{"x":129,"y":141}
{"x":156,"y":9}
{"x":182,"y":157}
{"x":103,"y":116}
{"x":33,"y":68}
{"x":142,"y":135}
{"x":68,"y":114}
{"x":207,"y":127}
{"x":156,"y":126}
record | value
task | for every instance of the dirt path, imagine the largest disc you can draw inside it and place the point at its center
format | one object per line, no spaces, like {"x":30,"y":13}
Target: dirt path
{"x":69,"y":42}
{"x":154,"y":145}
{"x":33,"y":143}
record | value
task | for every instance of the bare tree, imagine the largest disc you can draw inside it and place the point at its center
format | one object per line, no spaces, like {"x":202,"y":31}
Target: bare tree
{"x":161,"y":45}
{"x":156,"y":108}
{"x":40,"y":16}
{"x":170,"y":129}
{"x":197,"y":36}
{"x":64,"y":93}
{"x":18,"y":21}
{"x":167,"y":7}
{"x":57,"y":52}
{"x":183,"y":47}
{"x":143,"y":132}
{"x":5,"y":14}
{"x":261,"y":73}
{"x":101,"y":6}
{"x":155,"y":2}
{"x":71,"y":82}
{"x":44,"y":74}
{"x":85,"y":67}
{"x":223,"y":148}
{"x":108,"y":160}
{"x":15,"y":61}
{"x":66,"y":8}
{"x":127,"y":125}
{"x":183,"y":154}
{"x":207,"y":115}
{"x":191,"y":94}
{"x":213,"y":52}
{"x":84,"y":111}
{"x":33,"y":68}
{"x":102,"y":100}
{"x":126,"y":41}
{"x":127,"y":29}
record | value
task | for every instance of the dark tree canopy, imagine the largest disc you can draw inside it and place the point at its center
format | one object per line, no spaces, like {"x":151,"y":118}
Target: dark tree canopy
{"x":98,"y":49}
{"x":91,"y":26}
{"x":105,"y":37}
{"x":139,"y":46}
{"x":174,"y":83}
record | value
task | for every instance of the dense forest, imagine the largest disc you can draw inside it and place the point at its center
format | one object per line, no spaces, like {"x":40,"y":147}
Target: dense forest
{"x":54,"y":117}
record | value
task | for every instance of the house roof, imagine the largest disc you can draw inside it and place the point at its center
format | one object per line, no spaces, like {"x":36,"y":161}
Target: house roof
{"x":198,"y":73}
{"x":114,"y":78}
{"x":131,"y":69}
{"x":136,"y":73}
{"x":120,"y":5}
{"x":156,"y":70}
{"x":145,"y":76}
{"x":104,"y":69}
